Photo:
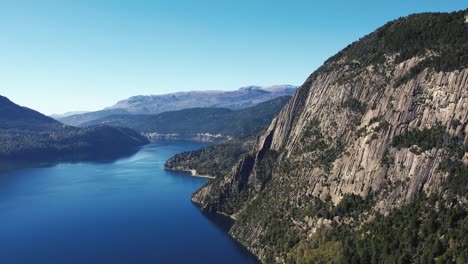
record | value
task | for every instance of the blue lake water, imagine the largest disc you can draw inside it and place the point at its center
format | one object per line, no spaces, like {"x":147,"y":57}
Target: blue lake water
{"x":126,"y":211}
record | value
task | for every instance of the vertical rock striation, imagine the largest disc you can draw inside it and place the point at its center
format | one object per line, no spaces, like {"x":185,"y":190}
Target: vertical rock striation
{"x":346,"y":130}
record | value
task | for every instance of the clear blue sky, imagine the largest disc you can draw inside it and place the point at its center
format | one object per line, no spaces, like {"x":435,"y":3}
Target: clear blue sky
{"x":60,"y":56}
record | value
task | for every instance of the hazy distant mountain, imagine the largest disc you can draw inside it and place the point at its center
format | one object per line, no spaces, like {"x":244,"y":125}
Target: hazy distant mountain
{"x":57,"y":116}
{"x":242,"y":98}
{"x":78,"y":119}
{"x":28,"y":134}
{"x":200,"y":123}
{"x":154,"y":104}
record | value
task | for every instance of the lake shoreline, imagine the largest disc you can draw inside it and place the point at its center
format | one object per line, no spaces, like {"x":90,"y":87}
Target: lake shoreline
{"x":131,"y":207}
{"x":192,"y":172}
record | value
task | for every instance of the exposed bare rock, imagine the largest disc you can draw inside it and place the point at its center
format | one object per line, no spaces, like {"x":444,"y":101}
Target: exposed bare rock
{"x":337,"y":136}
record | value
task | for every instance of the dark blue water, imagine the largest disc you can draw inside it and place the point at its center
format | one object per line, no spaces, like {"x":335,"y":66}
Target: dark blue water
{"x":126,"y":211}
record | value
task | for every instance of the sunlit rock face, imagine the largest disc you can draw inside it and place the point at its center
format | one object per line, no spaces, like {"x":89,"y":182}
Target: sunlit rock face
{"x":349,"y":129}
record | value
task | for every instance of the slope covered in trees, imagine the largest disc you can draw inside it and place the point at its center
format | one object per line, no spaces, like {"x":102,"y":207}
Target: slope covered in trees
{"x":26,"y":134}
{"x":216,"y":160}
{"x":188,"y":122}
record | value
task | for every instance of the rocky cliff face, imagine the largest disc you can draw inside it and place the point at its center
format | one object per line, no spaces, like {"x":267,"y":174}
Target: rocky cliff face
{"x":376,"y":121}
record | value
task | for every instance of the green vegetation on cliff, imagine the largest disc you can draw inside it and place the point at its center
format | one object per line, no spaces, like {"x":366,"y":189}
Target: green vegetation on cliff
{"x":443,"y":34}
{"x":428,"y":230}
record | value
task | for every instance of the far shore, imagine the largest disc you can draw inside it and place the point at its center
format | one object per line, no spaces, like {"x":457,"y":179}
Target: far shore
{"x":192,"y":172}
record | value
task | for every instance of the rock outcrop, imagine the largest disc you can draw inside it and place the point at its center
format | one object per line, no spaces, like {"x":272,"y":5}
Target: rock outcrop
{"x":341,"y":135}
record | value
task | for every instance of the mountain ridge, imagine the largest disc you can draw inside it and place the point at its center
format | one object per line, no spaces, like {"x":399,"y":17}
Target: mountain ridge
{"x":153,"y":104}
{"x":13,"y":115}
{"x":200,"y":123}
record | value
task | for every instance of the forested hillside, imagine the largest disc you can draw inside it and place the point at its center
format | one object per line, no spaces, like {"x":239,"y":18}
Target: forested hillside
{"x":190,"y":123}
{"x":26,"y":134}
{"x":216,"y":160}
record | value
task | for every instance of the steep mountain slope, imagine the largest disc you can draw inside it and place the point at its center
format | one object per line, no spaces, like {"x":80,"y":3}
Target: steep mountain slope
{"x":368,"y":161}
{"x":201,"y":122}
{"x":153,"y":104}
{"x":14,"y":116}
{"x":27,"y":134}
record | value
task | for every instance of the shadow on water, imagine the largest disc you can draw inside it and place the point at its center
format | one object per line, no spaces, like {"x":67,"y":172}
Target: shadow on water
{"x":171,"y":142}
{"x":220,"y":221}
{"x":224,"y":223}
{"x":50,"y":161}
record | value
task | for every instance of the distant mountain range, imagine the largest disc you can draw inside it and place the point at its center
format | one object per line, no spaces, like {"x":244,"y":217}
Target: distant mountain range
{"x":200,"y":123}
{"x":26,"y":134}
{"x":57,"y":116}
{"x":153,"y":104}
{"x":79,"y":119}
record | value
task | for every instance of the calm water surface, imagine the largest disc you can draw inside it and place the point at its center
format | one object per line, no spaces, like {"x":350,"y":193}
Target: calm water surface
{"x":126,"y":211}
